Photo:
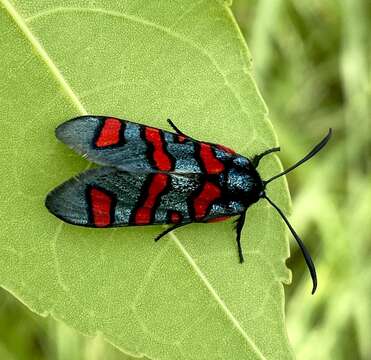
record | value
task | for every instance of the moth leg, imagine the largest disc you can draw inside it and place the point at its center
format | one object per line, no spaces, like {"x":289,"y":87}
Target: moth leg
{"x":257,"y":158}
{"x":166,"y":231}
{"x":178,"y":131}
{"x":239,"y":225}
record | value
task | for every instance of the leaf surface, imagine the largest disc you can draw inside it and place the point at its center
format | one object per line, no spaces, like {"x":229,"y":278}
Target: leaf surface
{"x":186,"y":297}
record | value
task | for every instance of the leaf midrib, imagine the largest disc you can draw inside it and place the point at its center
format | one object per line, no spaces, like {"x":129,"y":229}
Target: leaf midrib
{"x":43,"y":55}
{"x":214,"y":294}
{"x":20,"y":22}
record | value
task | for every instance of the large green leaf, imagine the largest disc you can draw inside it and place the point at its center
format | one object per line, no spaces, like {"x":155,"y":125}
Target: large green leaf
{"x":186,"y":297}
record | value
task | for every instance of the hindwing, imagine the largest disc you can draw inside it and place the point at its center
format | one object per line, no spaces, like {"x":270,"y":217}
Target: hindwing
{"x":108,"y":197}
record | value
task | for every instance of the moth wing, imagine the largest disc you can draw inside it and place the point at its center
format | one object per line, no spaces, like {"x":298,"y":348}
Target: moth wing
{"x":133,"y":147}
{"x":108,"y":197}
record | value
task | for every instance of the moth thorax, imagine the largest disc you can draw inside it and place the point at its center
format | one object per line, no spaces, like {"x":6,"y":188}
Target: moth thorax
{"x":242,"y":182}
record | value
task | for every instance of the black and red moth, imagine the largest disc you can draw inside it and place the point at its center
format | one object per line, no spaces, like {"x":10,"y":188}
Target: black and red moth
{"x":151,"y":176}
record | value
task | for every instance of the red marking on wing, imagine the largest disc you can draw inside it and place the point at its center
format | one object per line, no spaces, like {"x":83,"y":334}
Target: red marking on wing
{"x":110,"y":133}
{"x":181,"y":138}
{"x":226,"y":149}
{"x":157,"y":186}
{"x":217,"y":219}
{"x":205,"y":198}
{"x":175,"y":217}
{"x":101,"y":204}
{"x":161,"y":159}
{"x":211,"y":163}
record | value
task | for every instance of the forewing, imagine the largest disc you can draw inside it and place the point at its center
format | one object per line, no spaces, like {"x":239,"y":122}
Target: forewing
{"x":133,"y":147}
{"x":108,"y":197}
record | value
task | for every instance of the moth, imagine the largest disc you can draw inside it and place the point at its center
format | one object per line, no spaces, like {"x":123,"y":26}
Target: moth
{"x":151,"y":176}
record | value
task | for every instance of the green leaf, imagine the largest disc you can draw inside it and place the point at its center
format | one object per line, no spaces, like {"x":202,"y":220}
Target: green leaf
{"x":186,"y":297}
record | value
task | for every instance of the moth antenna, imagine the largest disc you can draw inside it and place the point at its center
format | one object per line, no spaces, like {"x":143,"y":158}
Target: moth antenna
{"x":255,"y":161}
{"x":303,"y":249}
{"x":175,"y":128}
{"x":313,"y":152}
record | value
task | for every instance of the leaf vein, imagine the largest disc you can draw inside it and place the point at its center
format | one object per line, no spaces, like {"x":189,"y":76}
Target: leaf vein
{"x":139,"y":20}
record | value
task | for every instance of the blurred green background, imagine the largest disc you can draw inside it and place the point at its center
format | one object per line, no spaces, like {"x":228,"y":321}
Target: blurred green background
{"x":311,"y":62}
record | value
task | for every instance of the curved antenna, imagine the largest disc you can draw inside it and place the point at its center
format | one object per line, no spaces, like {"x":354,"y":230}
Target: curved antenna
{"x":313,"y":152}
{"x":303,"y":249}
